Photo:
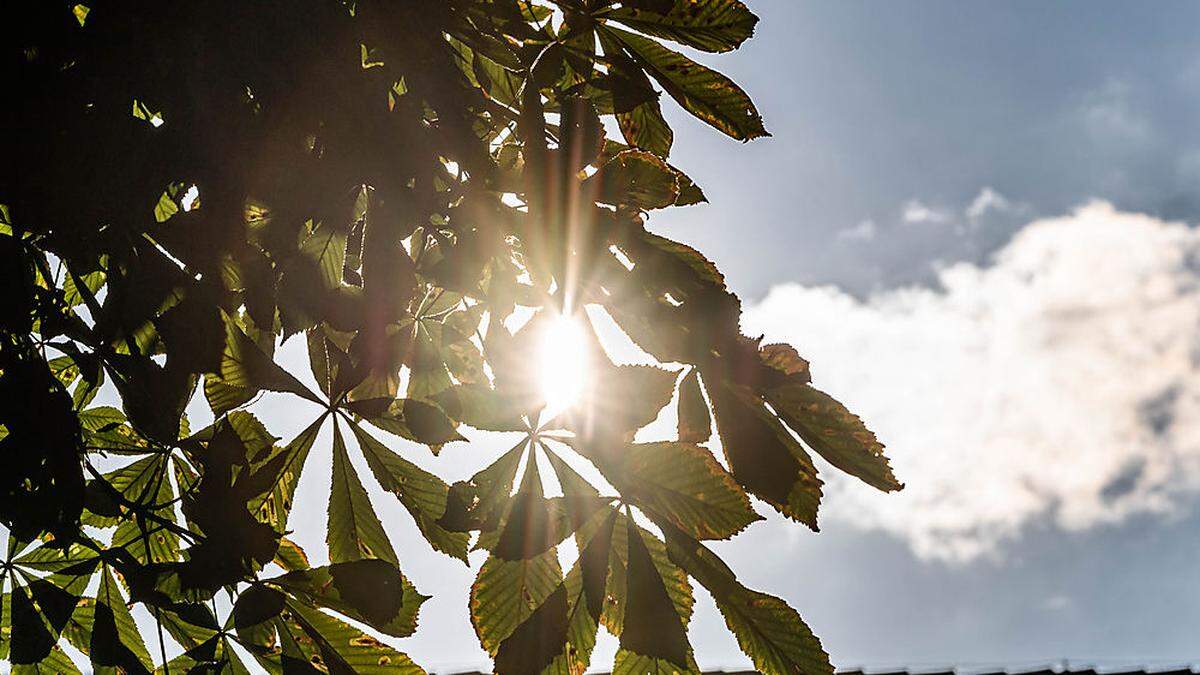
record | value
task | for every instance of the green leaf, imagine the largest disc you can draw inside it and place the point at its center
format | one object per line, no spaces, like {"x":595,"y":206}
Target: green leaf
{"x":673,"y":579}
{"x":586,"y":584}
{"x":711,"y":26}
{"x":694,"y":422}
{"x":705,"y":93}
{"x":652,"y":629}
{"x":32,"y":639}
{"x":539,"y":640}
{"x":326,"y":249}
{"x":770,"y":632}
{"x":684,"y":483}
{"x":290,"y":556}
{"x":415,"y":420}
{"x":634,"y":178}
{"x":507,"y":592}
{"x":246,"y":370}
{"x":371,"y":591}
{"x":835,"y":433}
{"x":274,"y":503}
{"x":341,"y":647}
{"x":763,"y":456}
{"x":354,"y":531}
{"x":115,"y":640}
{"x":645,"y":128}
{"x":481,"y":407}
{"x":422,"y":493}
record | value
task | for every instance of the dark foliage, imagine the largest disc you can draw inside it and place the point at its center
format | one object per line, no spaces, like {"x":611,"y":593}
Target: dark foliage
{"x":187,"y":185}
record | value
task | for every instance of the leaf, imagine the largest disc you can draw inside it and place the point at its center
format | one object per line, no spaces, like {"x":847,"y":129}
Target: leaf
{"x":290,"y":556}
{"x":634,"y":178}
{"x":274,"y":503}
{"x":651,"y":629}
{"x":785,"y":359}
{"x":345,"y":648}
{"x":835,"y":433}
{"x":481,"y":407}
{"x":115,"y":640}
{"x":507,"y":592}
{"x":645,"y":128}
{"x":694,"y":423}
{"x":354,"y":531}
{"x":673,"y":579}
{"x":541,"y":638}
{"x":371,"y":591}
{"x":245,"y":369}
{"x":422,"y":493}
{"x":415,"y":420}
{"x":763,"y":456}
{"x":770,"y":632}
{"x":326,"y":249}
{"x":711,"y":26}
{"x":586,"y":585}
{"x":705,"y":93}
{"x":685,"y":484}
{"x":31,"y":638}
{"x":620,"y":400}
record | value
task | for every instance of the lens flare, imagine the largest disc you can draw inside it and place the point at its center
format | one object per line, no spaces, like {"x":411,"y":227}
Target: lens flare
{"x":564,"y":363}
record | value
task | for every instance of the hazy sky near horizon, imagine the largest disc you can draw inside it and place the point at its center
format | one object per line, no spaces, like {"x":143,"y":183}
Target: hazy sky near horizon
{"x":978,"y":222}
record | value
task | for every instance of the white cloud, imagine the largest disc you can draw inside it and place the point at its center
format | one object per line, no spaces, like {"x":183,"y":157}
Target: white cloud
{"x":1060,"y":384}
{"x":865,"y":230}
{"x":916,"y":211}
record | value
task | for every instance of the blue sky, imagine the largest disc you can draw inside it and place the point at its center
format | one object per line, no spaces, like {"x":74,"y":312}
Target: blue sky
{"x":873,"y":105}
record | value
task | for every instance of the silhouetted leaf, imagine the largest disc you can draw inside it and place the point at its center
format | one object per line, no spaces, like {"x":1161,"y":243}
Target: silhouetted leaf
{"x":694,"y":422}
{"x":371,"y":591}
{"x":507,"y":592}
{"x":714,"y":26}
{"x":422,"y":493}
{"x":634,"y":178}
{"x":768,"y":630}
{"x":763,"y":456}
{"x":115,"y":640}
{"x":685,"y":484}
{"x":705,"y":93}
{"x":835,"y":433}
{"x":652,"y":630}
{"x":354,"y":530}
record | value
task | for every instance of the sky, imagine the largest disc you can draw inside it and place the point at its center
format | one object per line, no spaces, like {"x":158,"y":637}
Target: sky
{"x":977,"y":222}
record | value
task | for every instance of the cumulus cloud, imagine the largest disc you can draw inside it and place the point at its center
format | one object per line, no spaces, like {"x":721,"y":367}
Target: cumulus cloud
{"x":1058,"y":385}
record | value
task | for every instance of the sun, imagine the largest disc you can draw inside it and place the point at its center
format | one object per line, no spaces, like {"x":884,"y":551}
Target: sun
{"x":564,"y":363}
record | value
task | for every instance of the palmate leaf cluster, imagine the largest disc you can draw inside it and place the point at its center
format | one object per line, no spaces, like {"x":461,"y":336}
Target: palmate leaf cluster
{"x":187,"y":186}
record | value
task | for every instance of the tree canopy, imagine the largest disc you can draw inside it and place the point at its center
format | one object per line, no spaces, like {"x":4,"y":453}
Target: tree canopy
{"x":187,"y":186}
